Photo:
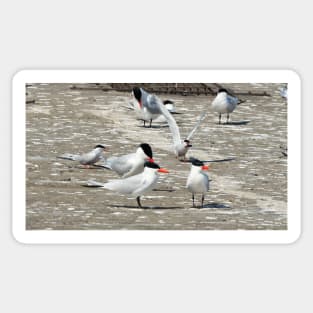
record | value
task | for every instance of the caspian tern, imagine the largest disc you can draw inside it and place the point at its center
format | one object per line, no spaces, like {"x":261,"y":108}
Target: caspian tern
{"x":198,"y":181}
{"x":88,"y":158}
{"x":145,"y":114}
{"x":135,"y":185}
{"x":155,"y":106}
{"x":224,"y":103}
{"x":130,"y":164}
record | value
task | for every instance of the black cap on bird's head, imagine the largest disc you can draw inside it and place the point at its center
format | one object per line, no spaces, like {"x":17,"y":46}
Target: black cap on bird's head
{"x":187,"y":143}
{"x":151,"y":165}
{"x":137,"y":94}
{"x":222,"y":90}
{"x":196,"y":162}
{"x":168,"y":102}
{"x":156,"y":167}
{"x":147,"y":150}
{"x":99,"y":146}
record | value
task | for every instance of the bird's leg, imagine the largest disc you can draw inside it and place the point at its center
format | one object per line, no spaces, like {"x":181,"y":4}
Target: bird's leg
{"x":138,"y":201}
{"x":150,"y":123}
{"x":193,"y":200}
{"x":202,"y":200}
{"x":219,"y":118}
{"x":144,"y":123}
{"x":227,"y":118}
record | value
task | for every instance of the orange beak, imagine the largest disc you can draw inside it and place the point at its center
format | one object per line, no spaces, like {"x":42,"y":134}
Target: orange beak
{"x":163,"y":170}
{"x":205,"y":167}
{"x":150,"y":160}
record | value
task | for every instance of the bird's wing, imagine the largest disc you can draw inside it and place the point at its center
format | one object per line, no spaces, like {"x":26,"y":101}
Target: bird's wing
{"x":68,"y":156}
{"x":92,"y":183}
{"x":145,"y":185}
{"x":120,"y":164}
{"x":201,"y":118}
{"x":232,"y":100}
{"x":125,"y":186}
{"x":171,"y":123}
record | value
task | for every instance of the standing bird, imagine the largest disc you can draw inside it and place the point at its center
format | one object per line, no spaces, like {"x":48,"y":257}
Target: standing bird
{"x":135,"y":185}
{"x":88,"y":158}
{"x":155,"y":106}
{"x":130,"y":164}
{"x":224,"y":103}
{"x":151,"y":105}
{"x":198,"y":181}
{"x":146,"y":116}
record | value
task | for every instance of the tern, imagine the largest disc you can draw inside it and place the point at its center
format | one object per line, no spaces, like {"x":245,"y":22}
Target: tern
{"x":155,"y":106}
{"x":88,"y":158}
{"x":135,"y":185}
{"x":130,"y":164}
{"x":224,"y":103}
{"x":147,"y":116}
{"x":198,"y":181}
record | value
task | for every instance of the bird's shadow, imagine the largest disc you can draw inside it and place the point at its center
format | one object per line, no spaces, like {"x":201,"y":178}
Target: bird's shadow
{"x":213,"y":161}
{"x":154,"y":126}
{"x":147,"y":207}
{"x":215,"y":205}
{"x":236,"y":123}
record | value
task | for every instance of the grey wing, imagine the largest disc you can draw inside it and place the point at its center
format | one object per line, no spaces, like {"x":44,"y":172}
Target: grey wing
{"x":125,"y":186}
{"x":232,"y":100}
{"x":68,"y":156}
{"x":200,"y":119}
{"x":145,"y":185}
{"x":121,"y":164}
{"x":206,"y":181}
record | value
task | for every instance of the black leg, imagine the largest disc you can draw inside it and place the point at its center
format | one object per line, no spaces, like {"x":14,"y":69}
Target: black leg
{"x":144,"y":123}
{"x":193,"y":200}
{"x":219,"y":118}
{"x":202,"y":200}
{"x":138,"y":201}
{"x":227,"y":118}
{"x":150,"y":123}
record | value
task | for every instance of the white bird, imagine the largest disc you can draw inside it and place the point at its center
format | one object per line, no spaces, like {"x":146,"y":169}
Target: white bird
{"x":144,"y":114}
{"x":135,"y":185}
{"x":130,"y":164}
{"x":155,"y":106}
{"x":284,"y":92}
{"x":181,"y":147}
{"x":88,"y":158}
{"x":198,"y":181}
{"x":224,"y":103}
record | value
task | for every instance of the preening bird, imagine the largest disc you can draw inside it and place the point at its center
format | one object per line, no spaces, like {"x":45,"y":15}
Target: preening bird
{"x":154,"y":105}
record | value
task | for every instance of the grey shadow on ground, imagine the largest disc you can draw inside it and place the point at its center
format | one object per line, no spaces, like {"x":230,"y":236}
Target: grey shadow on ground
{"x":235,"y":123}
{"x":215,"y":205}
{"x":147,"y":207}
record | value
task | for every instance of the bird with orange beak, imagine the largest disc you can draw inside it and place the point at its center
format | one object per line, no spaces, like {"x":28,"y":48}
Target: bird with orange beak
{"x":136,"y":185}
{"x":198,"y":180}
